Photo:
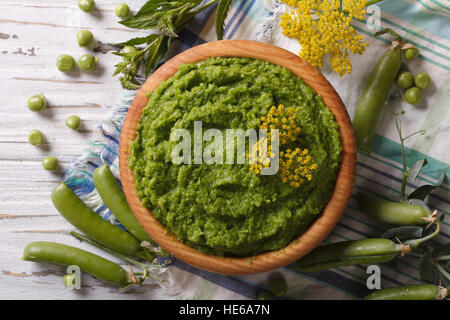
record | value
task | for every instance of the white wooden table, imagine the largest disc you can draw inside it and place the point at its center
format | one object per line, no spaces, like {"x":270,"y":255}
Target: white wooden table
{"x":32,"y":34}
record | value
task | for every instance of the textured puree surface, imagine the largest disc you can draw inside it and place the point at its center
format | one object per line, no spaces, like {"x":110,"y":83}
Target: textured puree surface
{"x":221,"y":208}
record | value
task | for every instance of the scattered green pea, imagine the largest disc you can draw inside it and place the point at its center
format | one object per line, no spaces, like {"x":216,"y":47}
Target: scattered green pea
{"x":411,"y":53}
{"x":128,"y":49}
{"x":35,"y":137}
{"x":87,"y":62}
{"x":405,"y":80}
{"x":65,"y":63}
{"x":413,"y":95}
{"x":85,"y":38}
{"x":50,"y":163}
{"x":422,"y":80}
{"x":265,"y":296}
{"x":86,"y":5}
{"x":122,"y":10}
{"x":69,"y":280}
{"x":278,"y":287}
{"x":73,"y":122}
{"x":37,"y":103}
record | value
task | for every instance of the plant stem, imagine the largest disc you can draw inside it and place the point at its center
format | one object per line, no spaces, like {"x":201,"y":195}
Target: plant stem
{"x":203,"y":7}
{"x":414,"y":133}
{"x":443,"y":258}
{"x":415,"y":243}
{"x":398,"y":124}
{"x":190,"y":15}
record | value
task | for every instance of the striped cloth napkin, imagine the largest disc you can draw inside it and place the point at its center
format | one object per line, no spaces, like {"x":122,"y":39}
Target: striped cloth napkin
{"x":424,"y":23}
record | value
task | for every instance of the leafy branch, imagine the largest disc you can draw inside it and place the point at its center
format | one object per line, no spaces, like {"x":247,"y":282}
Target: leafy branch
{"x":168,"y":18}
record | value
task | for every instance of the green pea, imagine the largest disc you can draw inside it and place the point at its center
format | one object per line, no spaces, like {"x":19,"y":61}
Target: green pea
{"x":37,"y":103}
{"x":35,"y":137}
{"x":128,"y":49}
{"x":91,"y":224}
{"x":86,"y":5}
{"x":411,"y":53}
{"x":122,"y":10}
{"x":422,"y":80}
{"x":60,"y":254}
{"x":65,"y":63}
{"x":278,"y":287}
{"x":410,"y":292}
{"x":373,"y":97}
{"x":87,"y":62}
{"x":413,"y":95}
{"x":50,"y":163}
{"x":85,"y":38}
{"x":405,"y":80}
{"x":114,"y":198}
{"x":396,"y":213}
{"x":69,"y":280}
{"x":73,"y":122}
{"x":265,"y":296}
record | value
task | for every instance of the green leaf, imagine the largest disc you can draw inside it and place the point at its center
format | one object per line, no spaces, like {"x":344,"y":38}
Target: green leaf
{"x":136,"y":41}
{"x":157,"y":53}
{"x":403,"y":233}
{"x":221,"y":15}
{"x":152,"y":5}
{"x":423,"y":191}
{"x":415,"y":170}
{"x":166,"y":26}
{"x":143,"y":21}
{"x":129,"y":83}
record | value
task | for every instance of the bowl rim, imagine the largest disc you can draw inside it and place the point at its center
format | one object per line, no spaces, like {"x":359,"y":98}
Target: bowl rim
{"x":319,"y":228}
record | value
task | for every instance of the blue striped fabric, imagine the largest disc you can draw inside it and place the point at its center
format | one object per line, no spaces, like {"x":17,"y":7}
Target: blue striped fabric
{"x":378,"y":173}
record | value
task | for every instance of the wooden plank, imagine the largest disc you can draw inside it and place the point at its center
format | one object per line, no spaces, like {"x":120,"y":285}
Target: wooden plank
{"x":32,"y":34}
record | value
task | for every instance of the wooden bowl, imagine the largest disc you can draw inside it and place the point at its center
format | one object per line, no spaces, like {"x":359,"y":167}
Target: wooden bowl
{"x":318,"y":230}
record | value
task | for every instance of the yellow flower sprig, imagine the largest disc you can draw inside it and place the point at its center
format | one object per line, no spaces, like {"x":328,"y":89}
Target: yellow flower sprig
{"x":296,"y":166}
{"x":323,"y":27}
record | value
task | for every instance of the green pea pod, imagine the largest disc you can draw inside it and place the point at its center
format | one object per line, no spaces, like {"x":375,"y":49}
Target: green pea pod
{"x":90,"y":223}
{"x":410,"y":292}
{"x":346,"y":253}
{"x":396,"y":213}
{"x":373,"y":96}
{"x":112,"y":195}
{"x":60,"y":254}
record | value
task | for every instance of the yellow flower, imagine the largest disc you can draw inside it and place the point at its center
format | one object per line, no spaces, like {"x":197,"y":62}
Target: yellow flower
{"x":296,"y":166}
{"x":321,"y":28}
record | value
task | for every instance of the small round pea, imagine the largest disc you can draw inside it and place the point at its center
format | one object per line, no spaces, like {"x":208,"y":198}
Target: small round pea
{"x":73,"y":122}
{"x":65,"y":63}
{"x":50,"y":163}
{"x":85,"y":38}
{"x":122,"y":10}
{"x":405,"y":80}
{"x":69,"y":280}
{"x":35,"y":137}
{"x":86,"y":5}
{"x":422,"y":80}
{"x":411,"y":53}
{"x":128,"y":49}
{"x":278,"y":287}
{"x":37,"y":103}
{"x":87,"y":62}
{"x":265,"y":296}
{"x":413,"y":95}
